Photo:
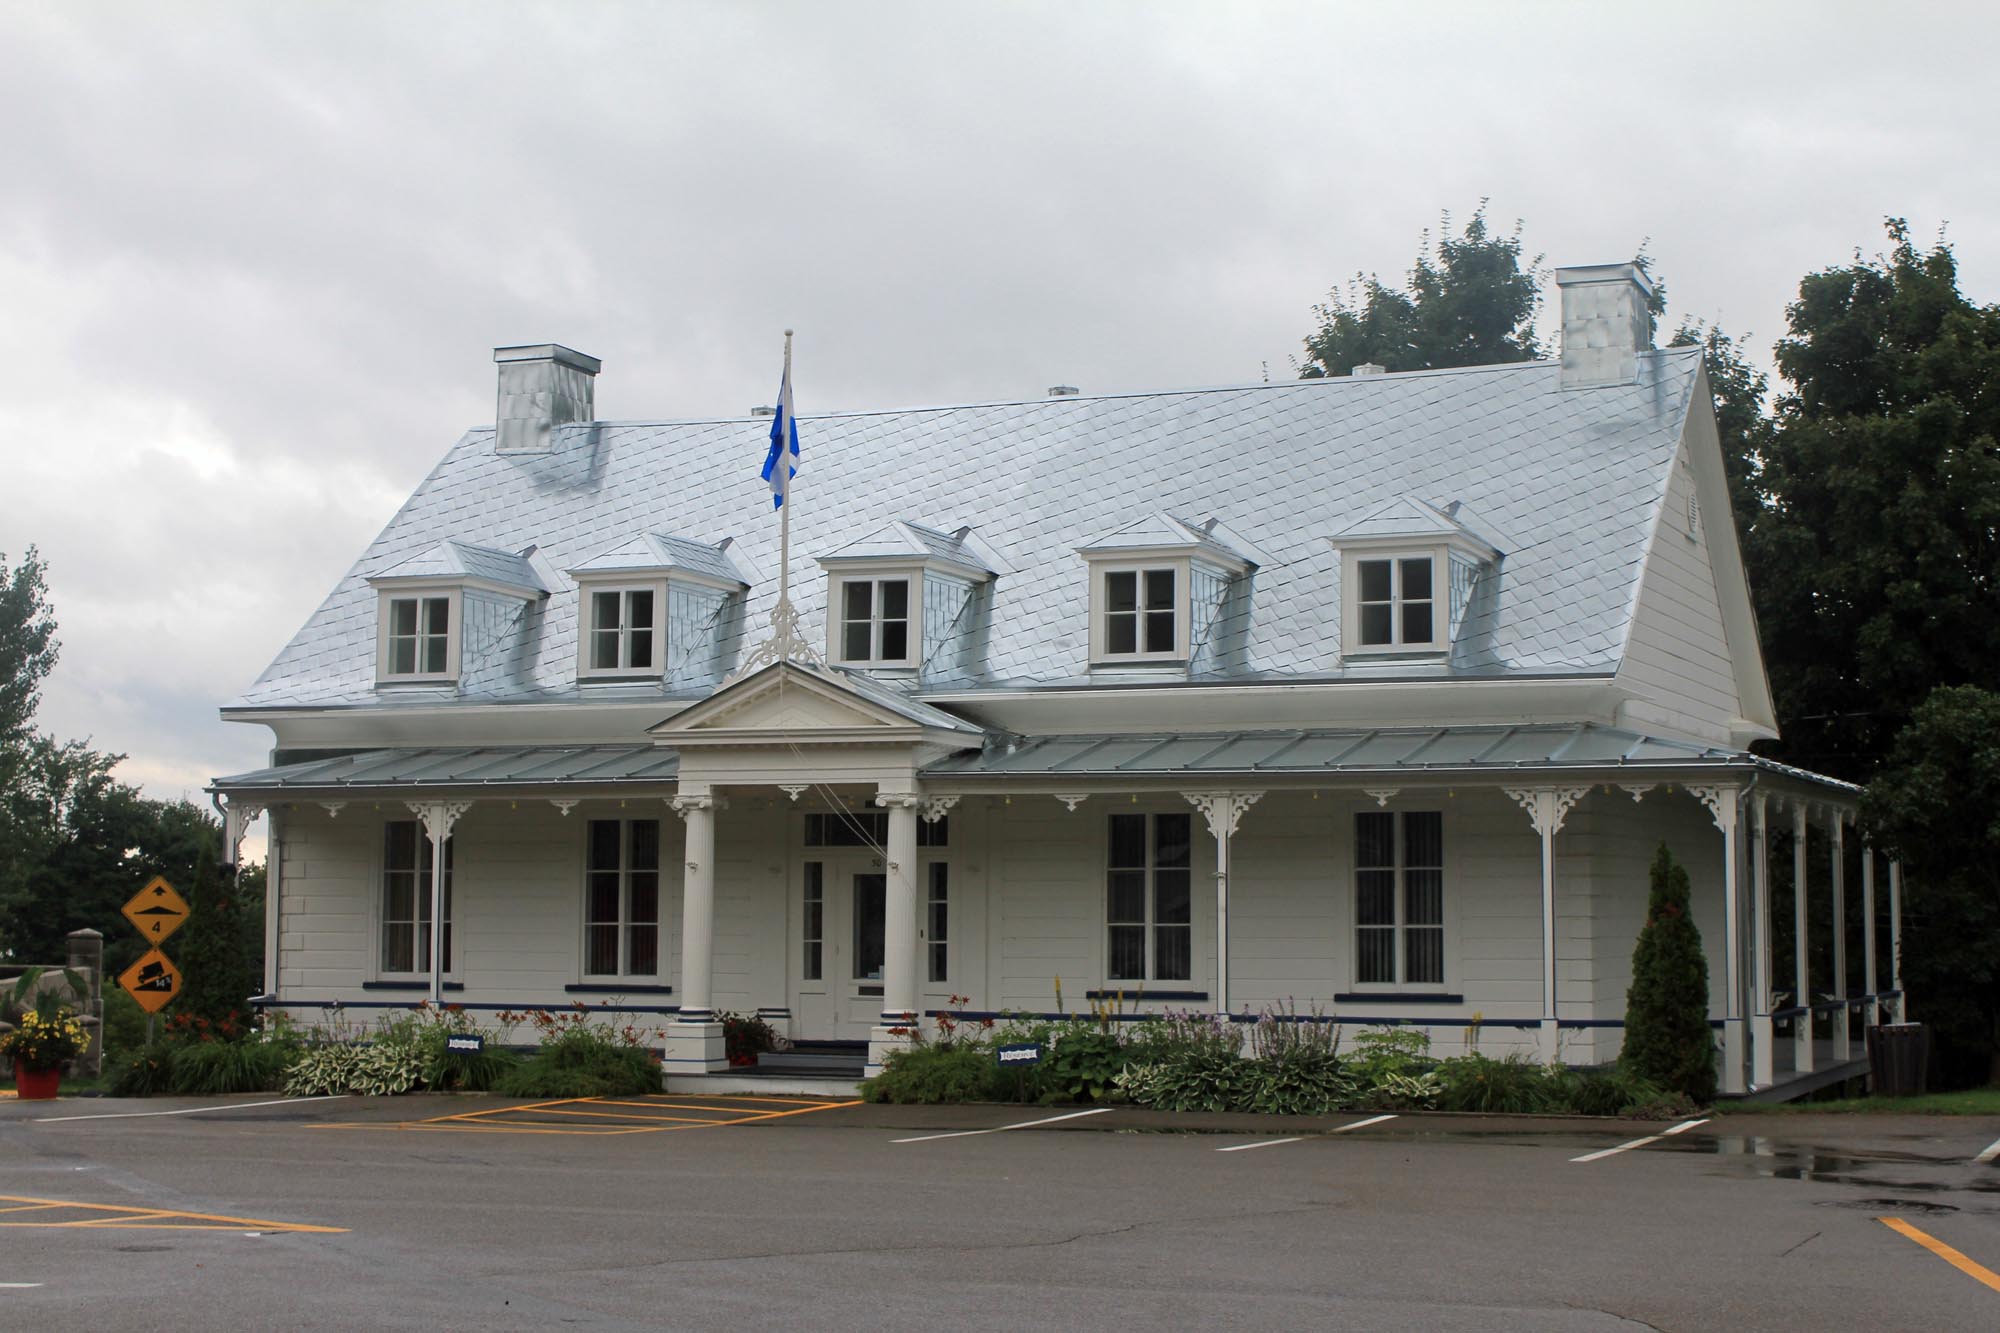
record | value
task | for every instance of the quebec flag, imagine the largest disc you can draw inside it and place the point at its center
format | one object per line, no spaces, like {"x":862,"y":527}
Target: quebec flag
{"x":784,"y":435}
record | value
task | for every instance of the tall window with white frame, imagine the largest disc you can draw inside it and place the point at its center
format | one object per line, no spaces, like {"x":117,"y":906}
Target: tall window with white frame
{"x":1149,"y":909}
{"x":1397,"y":604}
{"x":406,"y":900}
{"x":1140,"y":606}
{"x":419,"y":640}
{"x":621,"y":929}
{"x":1399,"y":897}
{"x":875,"y":620}
{"x":939,"y":921}
{"x":622,"y":624}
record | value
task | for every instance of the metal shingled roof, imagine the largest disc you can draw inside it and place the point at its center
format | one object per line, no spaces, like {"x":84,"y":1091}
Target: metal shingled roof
{"x":1574,"y":479}
{"x":478,"y":767}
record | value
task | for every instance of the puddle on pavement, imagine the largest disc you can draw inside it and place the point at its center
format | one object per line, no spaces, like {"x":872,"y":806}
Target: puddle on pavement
{"x":1779,"y":1161}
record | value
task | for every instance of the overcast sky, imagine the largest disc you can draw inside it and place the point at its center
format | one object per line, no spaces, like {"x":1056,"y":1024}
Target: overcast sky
{"x":254,"y":257}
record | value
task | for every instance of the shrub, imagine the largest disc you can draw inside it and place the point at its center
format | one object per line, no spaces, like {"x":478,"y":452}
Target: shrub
{"x":1081,"y":1061}
{"x":1667,"y":1039}
{"x":1191,"y":1081}
{"x":379,"y":1069}
{"x":1514,"y":1085}
{"x":1304,"y":1082}
{"x":745,"y":1037}
{"x":145,"y":1072}
{"x":1601,"y":1091}
{"x":933,"y":1074}
{"x":124,"y":1023}
{"x":1280,"y":1035}
{"x":205,"y":1069}
{"x":1176,"y":1034}
{"x":1390,"y":1052}
{"x":579,"y":1058}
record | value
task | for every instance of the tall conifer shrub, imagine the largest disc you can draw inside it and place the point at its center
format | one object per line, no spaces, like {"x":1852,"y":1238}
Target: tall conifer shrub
{"x":1666,"y":1011}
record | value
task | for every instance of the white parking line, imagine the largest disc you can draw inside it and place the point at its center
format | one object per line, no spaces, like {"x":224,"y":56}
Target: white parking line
{"x":1992,"y":1152}
{"x":997,"y":1129}
{"x":1261,"y":1143}
{"x":189,"y":1110}
{"x":19,"y":1286}
{"x":1640,"y":1143}
{"x":1362,"y":1124}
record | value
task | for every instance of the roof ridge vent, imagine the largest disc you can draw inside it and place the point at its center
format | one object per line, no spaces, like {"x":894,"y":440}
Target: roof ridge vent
{"x":1367,"y":369}
{"x":1063,"y":391}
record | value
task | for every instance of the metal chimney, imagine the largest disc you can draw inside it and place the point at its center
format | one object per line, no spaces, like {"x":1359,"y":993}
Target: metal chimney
{"x":541,"y":387}
{"x":1606,"y":323}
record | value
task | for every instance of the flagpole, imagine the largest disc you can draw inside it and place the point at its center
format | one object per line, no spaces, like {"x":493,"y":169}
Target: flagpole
{"x":785,"y":484}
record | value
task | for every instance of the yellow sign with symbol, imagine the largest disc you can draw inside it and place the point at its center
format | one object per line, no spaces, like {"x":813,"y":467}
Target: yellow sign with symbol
{"x":157,"y":910}
{"x":153,"y":981}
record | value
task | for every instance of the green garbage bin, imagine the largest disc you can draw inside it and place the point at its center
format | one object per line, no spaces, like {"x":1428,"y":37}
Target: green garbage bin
{"x":1898,"y":1058}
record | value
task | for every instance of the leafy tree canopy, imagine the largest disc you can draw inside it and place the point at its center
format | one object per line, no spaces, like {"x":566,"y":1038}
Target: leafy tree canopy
{"x":27,"y":645}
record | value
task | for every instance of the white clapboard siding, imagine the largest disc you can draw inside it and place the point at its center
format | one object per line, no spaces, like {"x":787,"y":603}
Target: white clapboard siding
{"x":1677,"y":656}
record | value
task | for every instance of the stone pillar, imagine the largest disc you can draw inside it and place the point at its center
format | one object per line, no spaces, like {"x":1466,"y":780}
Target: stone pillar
{"x":1762,"y":1036}
{"x":1802,"y":1026}
{"x":694,"y":1041}
{"x":84,"y":955}
{"x":1870,"y":985}
{"x":901,"y":1016}
{"x":1222,"y":810}
{"x":1722,"y":807}
{"x":1547,"y":808}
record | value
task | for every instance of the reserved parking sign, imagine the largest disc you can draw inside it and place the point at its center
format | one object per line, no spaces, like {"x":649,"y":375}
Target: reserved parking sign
{"x":1018,"y":1054}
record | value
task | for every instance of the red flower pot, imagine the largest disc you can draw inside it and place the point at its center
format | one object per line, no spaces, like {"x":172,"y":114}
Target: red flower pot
{"x":36,"y":1085}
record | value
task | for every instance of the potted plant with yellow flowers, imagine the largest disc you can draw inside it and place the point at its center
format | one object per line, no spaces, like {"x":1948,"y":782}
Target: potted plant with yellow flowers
{"x":44,"y":1039}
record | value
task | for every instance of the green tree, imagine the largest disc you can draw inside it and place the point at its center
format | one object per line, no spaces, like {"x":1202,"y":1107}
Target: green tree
{"x":1742,"y":419}
{"x":218,"y":973}
{"x":28,"y":647}
{"x":1666,"y":1010}
{"x":1936,"y":806}
{"x":1874,"y":558}
{"x":1471,"y":301}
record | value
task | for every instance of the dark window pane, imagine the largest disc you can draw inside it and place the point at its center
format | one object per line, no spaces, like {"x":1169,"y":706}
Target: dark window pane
{"x":1424,"y":955}
{"x":940,"y":970}
{"x":641,"y":650}
{"x":810,"y":964}
{"x":1171,"y":834}
{"x":437,"y":615}
{"x":1126,"y":901}
{"x":643,"y":950}
{"x":1423,"y":838}
{"x":934,"y":834}
{"x":1159,"y":631}
{"x":1416,"y":580}
{"x":1374,"y":580}
{"x":871,"y":894}
{"x":1375,"y":838}
{"x":854,"y":644}
{"x":399,"y":897}
{"x":859,"y":598}
{"x":604,"y":650}
{"x":403,"y":616}
{"x":1171,"y":903}
{"x":604,"y":610}
{"x":601,"y":950}
{"x":603,"y":897}
{"x":1159,"y":590}
{"x":643,"y":907}
{"x":1121,"y":634}
{"x":396,"y":948}
{"x":1128,"y":841}
{"x":603,"y":844}
{"x":1375,"y":955}
{"x":1121,"y":591}
{"x":645,"y":844}
{"x":1375,"y":897}
{"x":434,"y":654}
{"x":1128,"y":953}
{"x":1417,"y":623}
{"x":640,"y":606}
{"x":400,"y":850}
{"x":1173,"y":953}
{"x":403,"y":657}
{"x":895,"y":640}
{"x":1376,"y":623}
{"x":895,"y":599}
{"x":1423,"y":897}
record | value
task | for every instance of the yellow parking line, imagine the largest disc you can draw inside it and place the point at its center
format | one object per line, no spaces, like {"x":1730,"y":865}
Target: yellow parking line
{"x":626,"y":1115}
{"x":493,"y":1120}
{"x":121,"y":1215}
{"x":1976,"y":1271}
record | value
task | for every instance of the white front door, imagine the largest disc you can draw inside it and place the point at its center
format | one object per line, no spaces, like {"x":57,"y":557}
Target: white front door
{"x":842,"y":898}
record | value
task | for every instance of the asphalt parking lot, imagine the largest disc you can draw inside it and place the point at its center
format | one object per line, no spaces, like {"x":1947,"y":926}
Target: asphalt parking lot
{"x":807,"y":1212}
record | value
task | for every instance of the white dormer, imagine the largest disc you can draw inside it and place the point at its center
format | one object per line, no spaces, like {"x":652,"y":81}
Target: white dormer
{"x":1157,"y":587}
{"x":1407,"y":572}
{"x":423,"y":606}
{"x":896,"y":597}
{"x":648,"y":609}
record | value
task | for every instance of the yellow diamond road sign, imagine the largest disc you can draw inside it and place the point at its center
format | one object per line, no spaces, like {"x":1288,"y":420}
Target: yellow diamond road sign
{"x":157,"y":910}
{"x":152,"y":981}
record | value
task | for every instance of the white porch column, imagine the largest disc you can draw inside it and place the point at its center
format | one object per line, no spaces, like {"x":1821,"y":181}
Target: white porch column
{"x":1839,"y":988}
{"x":694,"y":1044}
{"x":438,"y":818}
{"x":1802,"y":1026}
{"x":1869,"y":984}
{"x":1547,"y":808}
{"x":274,"y":875}
{"x":1723,"y":808}
{"x":1765,"y":1072}
{"x":900,"y":1015}
{"x":1896,"y":940}
{"x":1222,"y":810}
{"x":237,"y":815}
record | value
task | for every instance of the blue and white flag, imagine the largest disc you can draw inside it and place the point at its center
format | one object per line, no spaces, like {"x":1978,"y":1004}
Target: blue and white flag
{"x":784,"y":435}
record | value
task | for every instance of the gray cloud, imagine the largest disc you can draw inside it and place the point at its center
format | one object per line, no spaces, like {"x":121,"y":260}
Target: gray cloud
{"x":255,"y":255}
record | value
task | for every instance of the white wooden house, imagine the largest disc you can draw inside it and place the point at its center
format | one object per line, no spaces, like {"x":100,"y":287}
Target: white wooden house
{"x":1371,"y":694}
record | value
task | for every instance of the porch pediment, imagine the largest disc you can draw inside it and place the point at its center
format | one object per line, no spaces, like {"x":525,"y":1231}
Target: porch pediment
{"x":788,"y":704}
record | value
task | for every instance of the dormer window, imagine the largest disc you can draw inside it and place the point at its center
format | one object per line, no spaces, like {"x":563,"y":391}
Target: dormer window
{"x":875,"y":621}
{"x":1408,"y":573}
{"x":1157,"y":589}
{"x":625,"y":631}
{"x":1398,"y":604}
{"x":418,"y":643}
{"x":1142,"y":612}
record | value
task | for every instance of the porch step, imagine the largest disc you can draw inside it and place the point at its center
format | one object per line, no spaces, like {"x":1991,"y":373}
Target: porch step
{"x":762,"y":1085}
{"x":823,"y":1059}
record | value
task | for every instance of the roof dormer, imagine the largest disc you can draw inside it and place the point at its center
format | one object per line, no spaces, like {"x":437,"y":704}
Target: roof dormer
{"x":1408,"y":571}
{"x":899,"y":596}
{"x":423,"y":606}
{"x":1158,"y":586}
{"x":651,"y":608}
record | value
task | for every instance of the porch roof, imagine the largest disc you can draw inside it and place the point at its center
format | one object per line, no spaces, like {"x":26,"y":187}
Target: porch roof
{"x":483,"y":766}
{"x":1496,"y":749}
